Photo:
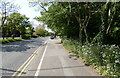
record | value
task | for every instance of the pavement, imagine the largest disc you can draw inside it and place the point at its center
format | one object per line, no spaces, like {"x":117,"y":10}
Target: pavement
{"x":57,"y":62}
{"x":42,"y":57}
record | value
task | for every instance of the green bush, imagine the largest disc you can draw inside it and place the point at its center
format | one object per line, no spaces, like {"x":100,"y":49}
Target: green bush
{"x":105,"y":58}
{"x":9,"y":40}
{"x":5,"y":41}
{"x":34,"y":36}
{"x":26,"y":36}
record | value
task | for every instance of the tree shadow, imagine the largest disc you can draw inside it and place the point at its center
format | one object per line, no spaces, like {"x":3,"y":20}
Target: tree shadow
{"x":59,"y":68}
{"x":21,"y":46}
{"x":58,"y":43}
{"x":11,"y":70}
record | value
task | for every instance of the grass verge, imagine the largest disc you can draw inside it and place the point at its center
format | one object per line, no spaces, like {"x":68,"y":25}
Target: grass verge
{"x":3,"y":41}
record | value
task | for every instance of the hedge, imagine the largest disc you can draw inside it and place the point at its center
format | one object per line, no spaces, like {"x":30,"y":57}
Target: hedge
{"x":105,"y":58}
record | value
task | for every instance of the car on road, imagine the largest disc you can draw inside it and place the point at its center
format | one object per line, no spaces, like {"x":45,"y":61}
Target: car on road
{"x":52,"y":37}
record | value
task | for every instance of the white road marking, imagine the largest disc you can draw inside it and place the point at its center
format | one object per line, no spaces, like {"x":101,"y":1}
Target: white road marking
{"x":40,"y":64}
{"x":27,"y":62}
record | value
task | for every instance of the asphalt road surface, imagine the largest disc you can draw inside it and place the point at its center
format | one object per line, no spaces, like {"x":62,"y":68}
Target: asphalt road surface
{"x":16,"y":53}
{"x":41,"y":57}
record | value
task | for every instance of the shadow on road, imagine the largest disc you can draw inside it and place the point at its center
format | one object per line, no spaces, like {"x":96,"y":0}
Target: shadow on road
{"x":59,"y":68}
{"x":10,"y":70}
{"x":22,"y":46}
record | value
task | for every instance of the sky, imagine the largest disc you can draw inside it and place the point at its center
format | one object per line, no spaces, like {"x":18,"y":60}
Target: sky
{"x":28,"y":11}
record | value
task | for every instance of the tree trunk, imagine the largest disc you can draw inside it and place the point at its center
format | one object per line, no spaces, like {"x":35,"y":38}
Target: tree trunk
{"x":80,"y":35}
{"x":85,"y":25}
{"x":13,"y":36}
{"x":21,"y":36}
{"x":86,"y":36}
{"x":80,"y":28}
{"x":105,"y":17}
{"x":3,"y":37}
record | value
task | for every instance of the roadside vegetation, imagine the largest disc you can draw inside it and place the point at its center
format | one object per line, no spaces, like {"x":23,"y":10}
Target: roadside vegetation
{"x":104,"y":58}
{"x":9,"y":40}
{"x":91,"y":30}
{"x":14,"y":24}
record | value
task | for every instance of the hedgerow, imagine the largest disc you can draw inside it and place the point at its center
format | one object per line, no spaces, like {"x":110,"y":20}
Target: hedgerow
{"x":105,"y":58}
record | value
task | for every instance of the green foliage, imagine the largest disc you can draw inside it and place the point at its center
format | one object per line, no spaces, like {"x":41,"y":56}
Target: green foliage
{"x":7,"y":8}
{"x":105,"y":58}
{"x":16,"y":25}
{"x":9,"y":40}
{"x":34,"y":36}
{"x":26,"y":36}
{"x":40,"y":31}
{"x":92,"y":30}
{"x":90,"y":22}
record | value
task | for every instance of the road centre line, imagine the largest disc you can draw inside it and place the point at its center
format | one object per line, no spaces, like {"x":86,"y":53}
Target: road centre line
{"x":26,"y":62}
{"x":26,"y":66}
{"x":22,"y":65}
{"x":40,"y":64}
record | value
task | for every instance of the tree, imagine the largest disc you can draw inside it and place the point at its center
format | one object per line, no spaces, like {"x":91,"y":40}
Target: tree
{"x":16,"y":23}
{"x":39,"y":31}
{"x":60,"y":16}
{"x":88,"y":21}
{"x":29,"y":30}
{"x":7,"y":8}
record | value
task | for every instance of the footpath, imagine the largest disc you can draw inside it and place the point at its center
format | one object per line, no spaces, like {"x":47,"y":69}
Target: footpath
{"x":53,"y":59}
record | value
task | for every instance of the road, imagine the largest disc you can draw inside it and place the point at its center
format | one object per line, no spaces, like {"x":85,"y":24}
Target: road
{"x":16,"y":53}
{"x":42,"y":57}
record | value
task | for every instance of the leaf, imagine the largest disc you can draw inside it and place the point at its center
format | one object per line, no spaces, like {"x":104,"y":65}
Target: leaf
{"x":119,"y":16}
{"x":116,"y":29}
{"x":115,"y":23}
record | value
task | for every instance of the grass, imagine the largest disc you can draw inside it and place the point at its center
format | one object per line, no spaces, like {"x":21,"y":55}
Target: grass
{"x":3,"y":41}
